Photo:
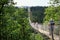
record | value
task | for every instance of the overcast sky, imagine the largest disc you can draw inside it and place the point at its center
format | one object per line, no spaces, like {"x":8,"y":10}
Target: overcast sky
{"x":32,"y":2}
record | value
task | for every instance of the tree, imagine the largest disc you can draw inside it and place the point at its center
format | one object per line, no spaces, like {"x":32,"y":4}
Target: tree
{"x":2,"y":14}
{"x":37,"y":14}
{"x":55,"y":2}
{"x":52,"y":11}
{"x":14,"y":23}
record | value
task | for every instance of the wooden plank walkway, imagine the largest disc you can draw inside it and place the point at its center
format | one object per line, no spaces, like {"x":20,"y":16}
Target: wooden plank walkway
{"x":44,"y":32}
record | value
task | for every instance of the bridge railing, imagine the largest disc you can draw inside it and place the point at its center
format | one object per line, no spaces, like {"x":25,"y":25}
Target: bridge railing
{"x":44,"y":28}
{"x":56,"y":27}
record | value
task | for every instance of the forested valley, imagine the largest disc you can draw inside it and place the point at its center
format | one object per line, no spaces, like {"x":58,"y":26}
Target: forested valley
{"x":14,"y":22}
{"x":37,"y":14}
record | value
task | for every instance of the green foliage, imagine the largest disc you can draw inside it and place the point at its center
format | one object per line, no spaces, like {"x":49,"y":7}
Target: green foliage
{"x":15,"y":25}
{"x":52,"y":12}
{"x":36,"y":36}
{"x":37,"y":14}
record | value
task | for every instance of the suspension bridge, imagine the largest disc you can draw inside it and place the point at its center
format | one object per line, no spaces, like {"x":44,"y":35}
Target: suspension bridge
{"x":42,"y":28}
{"x":39,"y":28}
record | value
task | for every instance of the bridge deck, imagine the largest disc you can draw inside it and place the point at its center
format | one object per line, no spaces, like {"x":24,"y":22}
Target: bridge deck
{"x":44,"y":32}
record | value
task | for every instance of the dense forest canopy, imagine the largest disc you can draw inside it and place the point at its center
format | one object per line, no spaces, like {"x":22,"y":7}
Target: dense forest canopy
{"x":53,"y":11}
{"x":37,"y":14}
{"x":14,"y":23}
{"x":43,"y":14}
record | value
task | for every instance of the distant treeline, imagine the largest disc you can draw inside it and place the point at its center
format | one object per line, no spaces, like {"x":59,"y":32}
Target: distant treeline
{"x":37,"y":14}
